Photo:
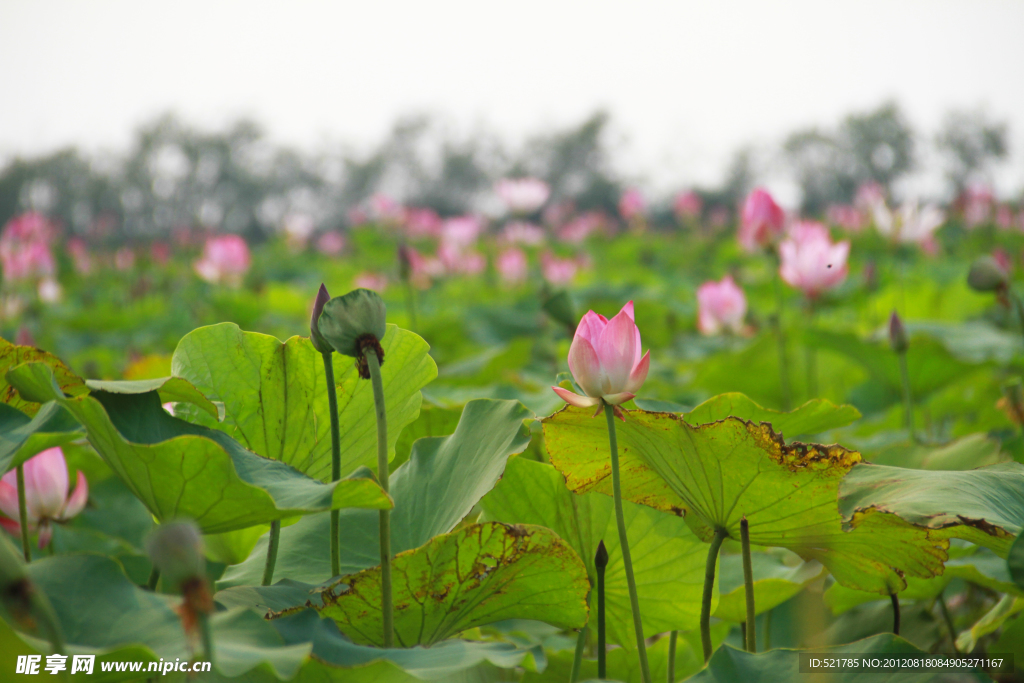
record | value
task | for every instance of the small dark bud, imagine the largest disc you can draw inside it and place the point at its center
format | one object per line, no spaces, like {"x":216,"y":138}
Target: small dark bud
{"x":404,"y":262}
{"x":319,"y":342}
{"x":176,"y":549}
{"x":986,"y":275}
{"x":347,"y":320}
{"x":601,"y":558}
{"x":897,"y":334}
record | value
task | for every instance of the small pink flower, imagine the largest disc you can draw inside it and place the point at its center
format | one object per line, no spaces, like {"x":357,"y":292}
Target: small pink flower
{"x":605,"y":360}
{"x":80,"y":257}
{"x":330,"y":243}
{"x":523,"y":195}
{"x":384,"y":209}
{"x":1004,"y":217}
{"x":869,"y":195}
{"x":580,"y":228}
{"x":459,"y":261}
{"x":846,"y":216}
{"x":558,"y":271}
{"x":721,"y":306}
{"x":810,"y":261}
{"x":520,"y":232}
{"x":422,"y":223}
{"x":916,"y":225}
{"x":977,"y":202}
{"x":762,"y":220}
{"x":124,"y":259}
{"x":374,"y":281}
{"x":687,"y":205}
{"x":631,"y":204}
{"x":160,"y":252}
{"x":46,"y":495}
{"x":511,"y":265}
{"x":461,"y":232}
{"x":1003,"y":260}
{"x":225,"y":259}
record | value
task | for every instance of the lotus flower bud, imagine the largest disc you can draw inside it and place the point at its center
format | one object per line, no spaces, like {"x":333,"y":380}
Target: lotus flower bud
{"x":986,"y":275}
{"x":319,"y":343}
{"x":897,"y":334}
{"x":404,"y":262}
{"x":601,"y":557}
{"x":354,"y":323}
{"x":176,"y":550}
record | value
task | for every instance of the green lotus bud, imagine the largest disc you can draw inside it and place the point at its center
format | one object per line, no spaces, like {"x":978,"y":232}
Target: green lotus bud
{"x":350,"y":322}
{"x":176,"y":549}
{"x":319,"y":343}
{"x":897,"y":334}
{"x":986,"y":275}
{"x":601,"y":556}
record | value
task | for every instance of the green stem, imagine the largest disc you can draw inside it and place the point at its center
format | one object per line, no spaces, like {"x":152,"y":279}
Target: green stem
{"x":332,"y":404}
{"x":627,"y":561}
{"x":602,"y":654}
{"x":577,"y":658}
{"x":781,"y":335}
{"x":811,"y":356}
{"x":26,"y":547}
{"x":154,"y":579}
{"x":207,"y":635}
{"x":373,"y":363}
{"x":1020,"y":310}
{"x":748,"y":585}
{"x":268,"y":568}
{"x":768,"y":630}
{"x":908,"y":401}
{"x":672,"y":639}
{"x":895,"y":613}
{"x":949,"y":621}
{"x":709,"y":587}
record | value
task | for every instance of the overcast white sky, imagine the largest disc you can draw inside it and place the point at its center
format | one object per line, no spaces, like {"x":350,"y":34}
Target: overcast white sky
{"x":686,"y":82}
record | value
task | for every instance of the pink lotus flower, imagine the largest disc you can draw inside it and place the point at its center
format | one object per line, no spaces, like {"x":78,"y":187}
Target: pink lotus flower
{"x":721,"y":306}
{"x":46,"y":495}
{"x":225,"y":260}
{"x":687,"y":205}
{"x":384,"y":209}
{"x":605,"y":360}
{"x":810,"y":261}
{"x":869,"y":195}
{"x":160,"y":252}
{"x":330,"y":243}
{"x":523,"y":195}
{"x":1004,"y":217}
{"x":459,"y":261}
{"x":79,"y":253}
{"x":762,"y":220}
{"x":558,"y":271}
{"x":124,"y":259}
{"x":374,"y":281}
{"x":580,"y":228}
{"x":30,"y":226}
{"x":977,"y":202}
{"x":846,"y":216}
{"x":26,"y":260}
{"x":511,"y":265}
{"x":298,"y":228}
{"x":461,"y":232}
{"x":422,"y":223}
{"x":631,"y":204}
{"x":519,"y":232}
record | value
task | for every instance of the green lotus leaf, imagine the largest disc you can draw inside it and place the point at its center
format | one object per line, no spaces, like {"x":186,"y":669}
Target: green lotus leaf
{"x":1015,"y":561}
{"x":723,"y":471}
{"x":668,"y":560}
{"x":22,"y":437}
{"x":439,"y":485}
{"x":984,"y":506}
{"x":171,"y":389}
{"x":479,"y":574}
{"x":775,"y":582}
{"x":12,"y":355}
{"x":817,"y":415}
{"x":178,"y":469}
{"x":990,"y":622}
{"x":275,"y":397}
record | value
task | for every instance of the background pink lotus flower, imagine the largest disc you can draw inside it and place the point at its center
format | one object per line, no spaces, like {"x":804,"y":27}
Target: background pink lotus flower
{"x":687,"y":205}
{"x":124,"y":259}
{"x":298,"y":228}
{"x":1004,"y":217}
{"x":558,"y":271}
{"x":520,"y":232}
{"x":46,"y":495}
{"x":384,"y":209}
{"x":846,"y":216}
{"x":523,"y":195}
{"x":810,"y":261}
{"x":721,"y":306}
{"x":330,"y":243}
{"x":761,"y":222}
{"x":512,"y":265}
{"x":605,"y":360}
{"x":977,"y":203}
{"x":458,"y":261}
{"x":368,"y":280}
{"x":917,"y":225}
{"x":422,"y":223}
{"x":631,"y":204}
{"x":580,"y":228}
{"x":869,"y":195}
{"x":461,"y":232}
{"x":26,"y":260}
{"x":80,"y":257}
{"x":225,"y":260}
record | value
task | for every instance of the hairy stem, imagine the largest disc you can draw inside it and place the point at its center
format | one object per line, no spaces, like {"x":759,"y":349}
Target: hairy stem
{"x":26,"y":547}
{"x":332,"y":403}
{"x":709,"y":587}
{"x":373,"y":363}
{"x":627,"y":560}
{"x":268,"y":568}
{"x":748,"y":586}
{"x":602,"y":655}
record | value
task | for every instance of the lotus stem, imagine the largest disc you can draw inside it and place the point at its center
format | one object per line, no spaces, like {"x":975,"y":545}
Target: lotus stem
{"x":373,"y":363}
{"x":1020,"y":309}
{"x":908,"y":402}
{"x":768,"y":630}
{"x":949,"y":621}
{"x":750,"y":632}
{"x":601,"y":563}
{"x":709,"y":587}
{"x":895,"y":613}
{"x":577,"y":658}
{"x":207,"y":635}
{"x":672,"y":639}
{"x":332,"y":403}
{"x":26,"y":547}
{"x":275,"y":537}
{"x":811,"y":356}
{"x":781,"y":336}
{"x":154,"y":579}
{"x":627,"y":560}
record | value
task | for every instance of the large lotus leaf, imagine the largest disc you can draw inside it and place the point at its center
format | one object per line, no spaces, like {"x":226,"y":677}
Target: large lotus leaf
{"x":984,"y":506}
{"x":965,"y":453}
{"x":22,"y":437}
{"x":171,"y":390}
{"x":668,"y":560}
{"x":12,"y":355}
{"x":1015,"y":561}
{"x":99,"y":609}
{"x":726,"y":470}
{"x":479,"y":574}
{"x":775,"y":582}
{"x":275,"y":396}
{"x":817,"y":415}
{"x":178,"y":469}
{"x":990,"y":622}
{"x":434,"y":491}
{"x":729,"y":665}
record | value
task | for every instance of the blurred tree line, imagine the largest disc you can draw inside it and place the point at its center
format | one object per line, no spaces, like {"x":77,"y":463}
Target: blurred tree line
{"x":238,"y":181}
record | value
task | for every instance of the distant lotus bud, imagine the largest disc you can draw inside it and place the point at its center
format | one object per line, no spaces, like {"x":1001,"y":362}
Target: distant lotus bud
{"x":355,"y":322}
{"x":601,"y":558}
{"x":176,"y":550}
{"x":897,"y":334}
{"x":986,"y":275}
{"x":319,"y":343}
{"x":404,"y":262}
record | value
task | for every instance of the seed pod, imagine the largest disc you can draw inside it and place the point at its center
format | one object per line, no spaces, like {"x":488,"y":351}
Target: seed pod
{"x":347,"y":320}
{"x":176,"y":549}
{"x":986,"y":275}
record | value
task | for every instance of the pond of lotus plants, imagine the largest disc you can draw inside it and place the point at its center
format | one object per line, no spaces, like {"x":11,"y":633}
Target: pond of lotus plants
{"x":586,"y":449}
